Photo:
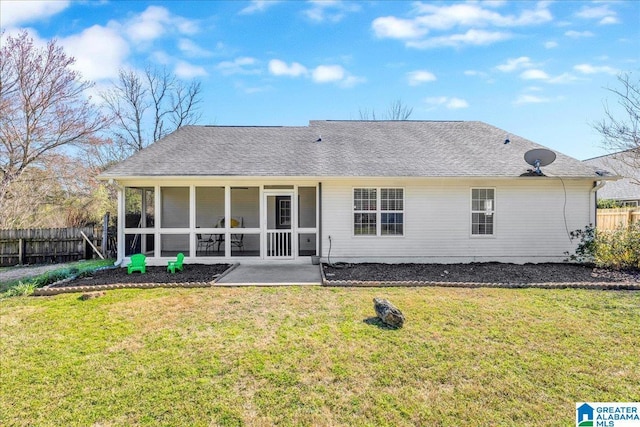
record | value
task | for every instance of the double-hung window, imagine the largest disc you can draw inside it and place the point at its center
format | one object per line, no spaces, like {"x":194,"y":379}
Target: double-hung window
{"x":378,"y":211}
{"x":483,"y":205}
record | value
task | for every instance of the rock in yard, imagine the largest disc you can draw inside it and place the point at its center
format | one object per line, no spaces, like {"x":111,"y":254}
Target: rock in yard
{"x":388,"y":312}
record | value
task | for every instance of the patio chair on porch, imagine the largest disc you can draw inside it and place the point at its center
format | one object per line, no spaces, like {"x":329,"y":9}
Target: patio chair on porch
{"x":205,"y":243}
{"x":237,"y":240}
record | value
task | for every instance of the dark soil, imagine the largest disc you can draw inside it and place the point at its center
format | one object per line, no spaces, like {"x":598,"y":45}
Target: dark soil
{"x":192,"y":273}
{"x":479,"y":273}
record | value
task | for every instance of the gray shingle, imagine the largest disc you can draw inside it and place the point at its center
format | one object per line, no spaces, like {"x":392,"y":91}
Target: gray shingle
{"x":624,"y":189}
{"x":348,"y":148}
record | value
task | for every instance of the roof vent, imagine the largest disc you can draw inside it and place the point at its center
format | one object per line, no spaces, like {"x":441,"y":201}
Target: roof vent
{"x":319,"y":138}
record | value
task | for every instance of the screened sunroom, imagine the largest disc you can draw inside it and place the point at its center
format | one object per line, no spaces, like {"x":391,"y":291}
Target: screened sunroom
{"x":208,"y":223}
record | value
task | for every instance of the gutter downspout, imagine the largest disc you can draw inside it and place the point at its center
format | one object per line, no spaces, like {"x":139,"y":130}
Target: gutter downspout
{"x":120,"y":224}
{"x":597,"y":185}
{"x":320,"y":219}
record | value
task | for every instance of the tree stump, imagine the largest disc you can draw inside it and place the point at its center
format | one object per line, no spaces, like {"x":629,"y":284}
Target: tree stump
{"x":388,"y":313}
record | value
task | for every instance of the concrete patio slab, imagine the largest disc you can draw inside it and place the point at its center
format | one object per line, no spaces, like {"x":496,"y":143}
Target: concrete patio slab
{"x":272,"y":275}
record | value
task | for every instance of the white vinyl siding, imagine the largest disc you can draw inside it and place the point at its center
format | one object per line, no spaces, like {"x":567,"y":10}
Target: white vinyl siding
{"x":483,"y":205}
{"x":378,"y":211}
{"x":437,"y":220}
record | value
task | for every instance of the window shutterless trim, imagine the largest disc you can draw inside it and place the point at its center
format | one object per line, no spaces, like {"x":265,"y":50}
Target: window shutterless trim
{"x":487,"y":212}
{"x":391,"y":200}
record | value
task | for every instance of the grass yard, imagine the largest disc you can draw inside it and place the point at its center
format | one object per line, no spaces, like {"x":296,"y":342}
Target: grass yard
{"x":306,"y":356}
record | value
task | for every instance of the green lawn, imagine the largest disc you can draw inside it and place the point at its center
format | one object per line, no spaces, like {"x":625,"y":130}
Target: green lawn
{"x":306,"y":356}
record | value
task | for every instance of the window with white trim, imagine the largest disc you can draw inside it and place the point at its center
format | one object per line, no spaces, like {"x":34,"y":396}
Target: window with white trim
{"x":483,"y":205}
{"x":378,"y":211}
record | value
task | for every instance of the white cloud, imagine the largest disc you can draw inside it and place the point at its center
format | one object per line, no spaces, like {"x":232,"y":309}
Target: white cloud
{"x":457,"y":103}
{"x":184,"y":70}
{"x":471,"y":37}
{"x":99,"y":51}
{"x":448,"y":16}
{"x":241,"y":65}
{"x":17,"y":13}
{"x":474,"y":23}
{"x":602,"y":13}
{"x":155,"y":22}
{"x":257,"y":6}
{"x":563,"y":79}
{"x":328,"y":73}
{"x":578,"y":34}
{"x":452,"y":103}
{"x":514,"y":64}
{"x":335,"y":74}
{"x":420,"y":76}
{"x":594,"y":69}
{"x":550,"y":45}
{"x":280,"y":68}
{"x":397,"y":28}
{"x":191,"y":49}
{"x":531,"y":99}
{"x":534,"y":74}
{"x":329,"y":10}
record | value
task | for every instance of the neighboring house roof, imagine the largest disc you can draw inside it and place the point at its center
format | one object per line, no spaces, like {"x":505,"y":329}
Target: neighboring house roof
{"x":343,"y":149}
{"x":627,"y":188}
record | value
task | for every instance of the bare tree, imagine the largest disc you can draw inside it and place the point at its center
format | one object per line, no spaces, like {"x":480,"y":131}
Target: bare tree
{"x":620,"y":130}
{"x":148,"y":106}
{"x":43,"y":107}
{"x":396,"y":110}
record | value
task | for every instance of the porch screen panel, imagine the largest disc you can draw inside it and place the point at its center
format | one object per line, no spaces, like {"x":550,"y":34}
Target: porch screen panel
{"x":136,"y":201}
{"x":172,"y":244}
{"x":307,"y":207}
{"x":209,"y":206}
{"x":245,"y":206}
{"x":139,"y":244}
{"x":175,"y":207}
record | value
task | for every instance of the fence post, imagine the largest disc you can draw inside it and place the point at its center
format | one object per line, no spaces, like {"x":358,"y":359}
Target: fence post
{"x":21,"y":248}
{"x":105,"y":233}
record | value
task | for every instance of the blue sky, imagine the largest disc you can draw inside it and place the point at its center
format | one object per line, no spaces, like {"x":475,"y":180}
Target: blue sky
{"x":535,"y":69}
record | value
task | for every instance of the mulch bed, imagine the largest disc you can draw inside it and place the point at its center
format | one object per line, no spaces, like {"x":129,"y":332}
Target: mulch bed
{"x":192,"y":273}
{"x":479,"y":273}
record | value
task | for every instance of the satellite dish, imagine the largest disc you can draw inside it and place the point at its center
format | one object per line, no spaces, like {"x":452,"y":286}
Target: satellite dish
{"x":539,"y":157}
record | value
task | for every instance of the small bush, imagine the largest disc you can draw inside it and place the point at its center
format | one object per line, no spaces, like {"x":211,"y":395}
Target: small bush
{"x":608,"y":204}
{"x":20,"y":290}
{"x":618,"y":249}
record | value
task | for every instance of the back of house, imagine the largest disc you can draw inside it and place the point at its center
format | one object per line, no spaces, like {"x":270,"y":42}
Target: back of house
{"x":379,"y":191}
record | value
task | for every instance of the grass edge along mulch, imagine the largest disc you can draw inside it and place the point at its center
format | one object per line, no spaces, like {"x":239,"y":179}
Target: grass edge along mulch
{"x":308,"y":356}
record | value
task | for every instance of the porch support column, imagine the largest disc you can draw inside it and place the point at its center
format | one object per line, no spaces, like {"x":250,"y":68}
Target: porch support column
{"x":157,"y":221}
{"x":120,"y":224}
{"x":227,"y":220}
{"x":192,"y":221}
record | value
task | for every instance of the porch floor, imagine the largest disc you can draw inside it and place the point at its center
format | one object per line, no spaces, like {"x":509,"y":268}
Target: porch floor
{"x":272,"y":275}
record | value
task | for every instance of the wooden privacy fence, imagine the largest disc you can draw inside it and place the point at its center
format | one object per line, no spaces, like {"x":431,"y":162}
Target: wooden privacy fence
{"x":47,"y":245}
{"x":610,"y":219}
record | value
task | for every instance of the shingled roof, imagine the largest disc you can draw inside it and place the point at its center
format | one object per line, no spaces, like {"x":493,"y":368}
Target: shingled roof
{"x":342,"y":149}
{"x":626,"y":188}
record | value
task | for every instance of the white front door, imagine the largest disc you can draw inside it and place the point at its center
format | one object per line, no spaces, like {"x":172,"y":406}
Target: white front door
{"x":280,"y":214}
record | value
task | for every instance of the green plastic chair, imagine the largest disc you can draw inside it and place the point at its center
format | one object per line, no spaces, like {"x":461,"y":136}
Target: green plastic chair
{"x":177,"y":264}
{"x":138,"y":263}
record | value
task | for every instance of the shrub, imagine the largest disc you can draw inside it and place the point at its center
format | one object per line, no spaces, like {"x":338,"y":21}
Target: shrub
{"x":617,"y":249}
{"x":20,"y":290}
{"x":608,"y":204}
